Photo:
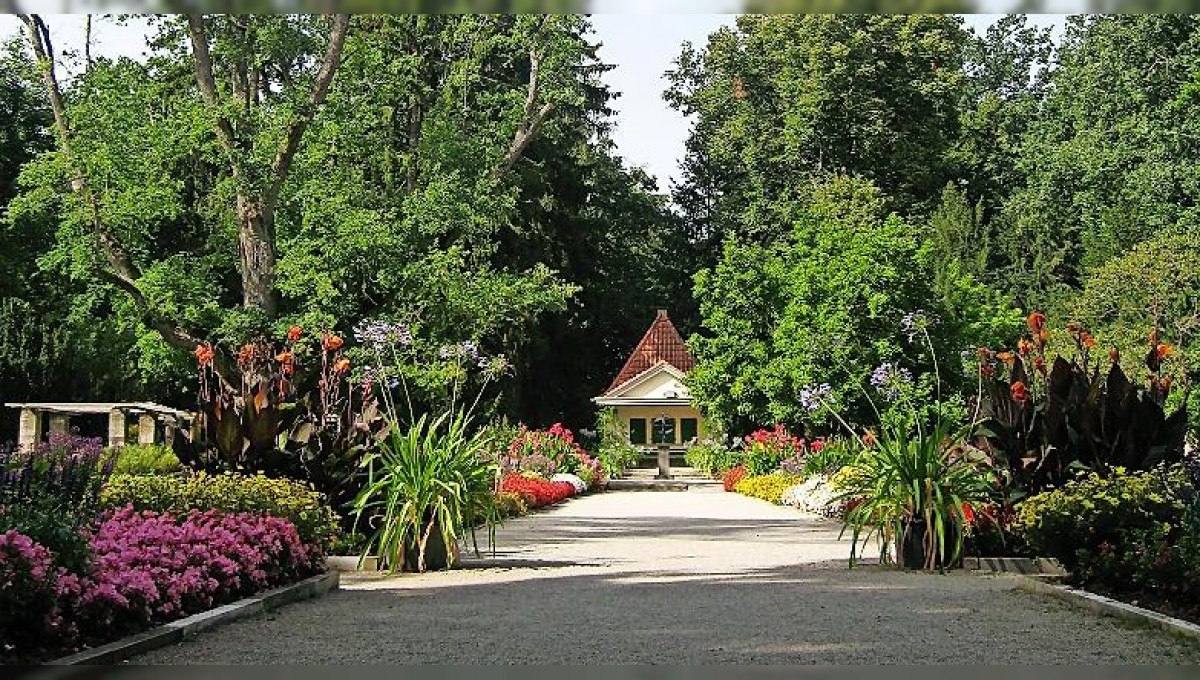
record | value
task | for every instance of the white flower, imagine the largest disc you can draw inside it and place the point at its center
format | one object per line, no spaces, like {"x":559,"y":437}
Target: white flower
{"x":574,"y":480}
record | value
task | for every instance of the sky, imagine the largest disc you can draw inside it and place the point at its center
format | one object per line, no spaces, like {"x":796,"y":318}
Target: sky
{"x":642,"y":45}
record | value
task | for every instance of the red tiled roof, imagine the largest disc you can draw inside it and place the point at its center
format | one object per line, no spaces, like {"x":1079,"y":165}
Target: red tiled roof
{"x":660,"y":343}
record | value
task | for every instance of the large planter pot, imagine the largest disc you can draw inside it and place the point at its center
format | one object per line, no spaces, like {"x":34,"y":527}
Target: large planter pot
{"x":912,"y":547}
{"x":437,"y":558}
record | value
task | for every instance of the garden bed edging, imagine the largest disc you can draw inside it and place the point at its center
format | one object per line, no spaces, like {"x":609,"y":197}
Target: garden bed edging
{"x":177,"y":631}
{"x":1109,"y":607}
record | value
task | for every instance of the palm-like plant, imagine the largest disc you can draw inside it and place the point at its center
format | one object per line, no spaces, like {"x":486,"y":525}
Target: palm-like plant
{"x":915,"y":485}
{"x":432,"y":482}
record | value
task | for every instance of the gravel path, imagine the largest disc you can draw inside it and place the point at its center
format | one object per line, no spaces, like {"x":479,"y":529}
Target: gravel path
{"x":685,"y":577}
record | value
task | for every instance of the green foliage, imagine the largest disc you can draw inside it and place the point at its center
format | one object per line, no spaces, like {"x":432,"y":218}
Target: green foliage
{"x":1092,"y":517}
{"x":615,"y":452}
{"x":511,"y":504}
{"x":825,"y":306}
{"x":146,"y":459}
{"x":431,"y":481}
{"x":294,"y":501}
{"x":768,"y":487}
{"x":837,"y":453}
{"x":913,"y":485}
{"x":712,"y":457}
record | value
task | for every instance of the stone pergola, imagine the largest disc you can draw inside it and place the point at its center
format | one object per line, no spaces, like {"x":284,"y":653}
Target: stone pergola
{"x":148,"y":415}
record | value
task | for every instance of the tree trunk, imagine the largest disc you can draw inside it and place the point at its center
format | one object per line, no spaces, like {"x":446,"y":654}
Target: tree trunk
{"x":257,"y":254}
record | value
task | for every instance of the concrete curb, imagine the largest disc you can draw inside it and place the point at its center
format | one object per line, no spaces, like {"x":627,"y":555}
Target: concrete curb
{"x":1015,"y":565}
{"x":1109,"y":607}
{"x":177,"y":631}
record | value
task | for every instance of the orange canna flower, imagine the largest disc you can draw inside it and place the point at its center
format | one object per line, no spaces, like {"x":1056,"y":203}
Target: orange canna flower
{"x":288,"y":369}
{"x":1006,"y":357}
{"x":331,"y":343}
{"x":1020,"y":393}
{"x":285,"y":357}
{"x":1024,"y":347}
{"x":341,"y":365}
{"x":293,"y":333}
{"x":204,"y":355}
{"x":1073,"y":327}
{"x":1165,"y":384}
{"x":984,"y":353}
{"x":1036,"y":322}
{"x":1043,"y":336}
{"x":1164,"y":350}
{"x":1113,"y":355}
{"x":868,"y":439}
{"x":1040,"y":364}
{"x":1087,"y":339}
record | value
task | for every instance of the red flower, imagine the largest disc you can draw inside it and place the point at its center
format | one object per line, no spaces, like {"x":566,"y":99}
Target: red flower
{"x":293,"y":333}
{"x":816,"y":445}
{"x":1006,"y":357}
{"x":968,"y":514}
{"x":1020,"y":393}
{"x":341,"y":365}
{"x":331,"y":343}
{"x":285,"y":357}
{"x":1087,"y":339}
{"x":1113,"y":355}
{"x":1040,"y":364}
{"x":1024,"y":347}
{"x":1163,"y":350}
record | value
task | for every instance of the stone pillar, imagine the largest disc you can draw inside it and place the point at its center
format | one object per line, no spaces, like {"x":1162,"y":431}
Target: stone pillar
{"x":146,"y":427}
{"x":116,"y":429}
{"x":30,"y":430}
{"x":170,"y":424}
{"x":60,"y":423}
{"x":664,"y":461}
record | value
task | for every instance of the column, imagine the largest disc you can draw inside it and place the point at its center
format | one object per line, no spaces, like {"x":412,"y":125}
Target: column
{"x":170,"y":424}
{"x":116,"y":429}
{"x":664,"y":461}
{"x":29,"y":432}
{"x":146,"y":427}
{"x":60,"y":423}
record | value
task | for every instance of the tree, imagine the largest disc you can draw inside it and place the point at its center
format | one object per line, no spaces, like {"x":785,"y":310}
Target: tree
{"x":827,"y":305}
{"x":782,"y":100}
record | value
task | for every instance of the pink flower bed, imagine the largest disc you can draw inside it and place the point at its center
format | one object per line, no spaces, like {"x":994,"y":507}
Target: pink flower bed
{"x":147,"y":568}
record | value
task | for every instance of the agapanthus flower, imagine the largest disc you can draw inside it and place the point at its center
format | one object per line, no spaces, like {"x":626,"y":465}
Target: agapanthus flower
{"x":811,"y":398}
{"x":888,"y":378}
{"x":383,"y":335}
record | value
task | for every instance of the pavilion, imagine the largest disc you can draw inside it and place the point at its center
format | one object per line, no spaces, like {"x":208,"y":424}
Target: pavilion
{"x":151,"y":418}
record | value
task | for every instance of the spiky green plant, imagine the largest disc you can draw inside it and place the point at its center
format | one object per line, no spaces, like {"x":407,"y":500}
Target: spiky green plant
{"x":433,"y":479}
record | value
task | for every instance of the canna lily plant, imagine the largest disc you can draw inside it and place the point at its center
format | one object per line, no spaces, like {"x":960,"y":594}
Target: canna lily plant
{"x":915,"y":482}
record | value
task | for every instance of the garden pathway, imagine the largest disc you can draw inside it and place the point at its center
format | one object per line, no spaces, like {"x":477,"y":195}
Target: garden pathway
{"x":699,"y":576}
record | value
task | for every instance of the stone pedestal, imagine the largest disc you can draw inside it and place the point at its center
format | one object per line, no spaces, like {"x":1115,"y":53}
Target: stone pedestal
{"x":664,"y":462}
{"x":170,"y":425}
{"x":116,"y":429}
{"x":30,"y":431}
{"x":60,"y":423}
{"x":146,"y":427}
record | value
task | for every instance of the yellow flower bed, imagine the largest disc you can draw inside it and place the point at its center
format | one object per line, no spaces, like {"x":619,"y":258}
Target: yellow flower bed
{"x":768,"y":487}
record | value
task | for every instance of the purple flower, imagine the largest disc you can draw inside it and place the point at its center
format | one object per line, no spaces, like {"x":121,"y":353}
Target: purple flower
{"x":383,"y":335}
{"x":811,"y":397}
{"x":889,"y":379}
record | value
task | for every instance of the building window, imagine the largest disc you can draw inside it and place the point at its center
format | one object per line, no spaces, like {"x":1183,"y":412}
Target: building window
{"x":689,"y":429}
{"x":664,"y":430}
{"x":637,"y":430}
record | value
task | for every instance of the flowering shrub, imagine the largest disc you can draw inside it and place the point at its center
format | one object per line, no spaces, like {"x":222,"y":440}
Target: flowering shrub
{"x":30,"y":619}
{"x":549,"y":452}
{"x":146,"y":568}
{"x":573,"y":480}
{"x":294,"y":501}
{"x":537,"y":492}
{"x":732,"y":476}
{"x":767,"y":449}
{"x":769,"y":488}
{"x":814,"y":495}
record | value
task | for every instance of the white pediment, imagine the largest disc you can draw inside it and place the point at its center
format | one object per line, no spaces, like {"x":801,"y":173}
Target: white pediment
{"x":661,"y":381}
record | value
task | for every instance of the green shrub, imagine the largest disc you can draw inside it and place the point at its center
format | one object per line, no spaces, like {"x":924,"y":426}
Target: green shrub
{"x":1092,"y":515}
{"x":146,"y":459}
{"x":767,"y":487}
{"x":836,"y":454}
{"x":712,"y":458}
{"x":615,"y":452}
{"x":284,"y":498}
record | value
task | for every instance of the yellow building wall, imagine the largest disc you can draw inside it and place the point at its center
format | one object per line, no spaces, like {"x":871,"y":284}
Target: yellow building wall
{"x":626,"y":413}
